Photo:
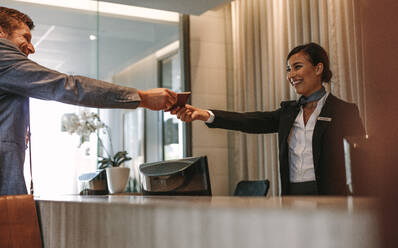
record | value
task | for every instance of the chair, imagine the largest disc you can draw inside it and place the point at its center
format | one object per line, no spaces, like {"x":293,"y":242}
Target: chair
{"x":19,"y":223}
{"x":252,"y":188}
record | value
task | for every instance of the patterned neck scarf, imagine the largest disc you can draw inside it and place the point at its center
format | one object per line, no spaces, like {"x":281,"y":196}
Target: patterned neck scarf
{"x":302,"y":101}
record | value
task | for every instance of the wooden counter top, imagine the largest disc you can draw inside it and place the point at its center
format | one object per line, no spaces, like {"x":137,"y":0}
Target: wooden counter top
{"x":183,"y":221}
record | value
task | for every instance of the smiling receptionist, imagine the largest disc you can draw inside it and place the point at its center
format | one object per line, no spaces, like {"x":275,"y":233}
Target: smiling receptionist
{"x":310,"y":130}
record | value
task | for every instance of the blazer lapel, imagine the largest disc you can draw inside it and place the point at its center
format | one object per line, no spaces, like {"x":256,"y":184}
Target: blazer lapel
{"x":285,"y":125}
{"x":287,"y":122}
{"x":321,"y":126}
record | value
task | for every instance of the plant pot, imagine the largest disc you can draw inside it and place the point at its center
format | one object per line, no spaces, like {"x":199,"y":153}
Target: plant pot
{"x":117,"y":178}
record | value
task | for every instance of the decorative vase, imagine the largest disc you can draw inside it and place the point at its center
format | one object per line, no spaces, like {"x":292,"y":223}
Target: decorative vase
{"x":117,"y":178}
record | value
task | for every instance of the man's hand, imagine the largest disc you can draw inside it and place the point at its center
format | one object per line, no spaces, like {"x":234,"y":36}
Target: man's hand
{"x":157,"y":99}
{"x":190,"y":113}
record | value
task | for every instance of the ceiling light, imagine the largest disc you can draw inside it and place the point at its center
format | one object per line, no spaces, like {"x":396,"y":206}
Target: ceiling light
{"x":105,"y":8}
{"x":92,"y":37}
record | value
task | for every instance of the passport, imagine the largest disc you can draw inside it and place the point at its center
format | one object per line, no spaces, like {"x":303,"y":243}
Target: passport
{"x":182,"y":99}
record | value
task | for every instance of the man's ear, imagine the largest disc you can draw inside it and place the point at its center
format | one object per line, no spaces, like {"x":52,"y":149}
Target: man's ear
{"x":2,"y":33}
{"x":319,"y":69}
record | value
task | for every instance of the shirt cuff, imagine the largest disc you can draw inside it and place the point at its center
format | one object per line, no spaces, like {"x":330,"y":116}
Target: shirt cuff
{"x":211,"y":118}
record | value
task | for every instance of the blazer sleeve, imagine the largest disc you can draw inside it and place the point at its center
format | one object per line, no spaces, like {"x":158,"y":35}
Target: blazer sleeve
{"x":21,"y":76}
{"x":249,"y":122}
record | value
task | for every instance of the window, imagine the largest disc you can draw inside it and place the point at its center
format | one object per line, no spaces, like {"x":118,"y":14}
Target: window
{"x":172,"y":128}
{"x":119,"y":48}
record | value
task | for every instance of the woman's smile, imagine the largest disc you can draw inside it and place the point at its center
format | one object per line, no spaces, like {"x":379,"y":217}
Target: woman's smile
{"x":296,"y":82}
{"x":305,"y":77}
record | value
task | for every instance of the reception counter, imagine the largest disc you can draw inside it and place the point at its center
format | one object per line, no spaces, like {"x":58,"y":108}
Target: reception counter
{"x":230,"y":222}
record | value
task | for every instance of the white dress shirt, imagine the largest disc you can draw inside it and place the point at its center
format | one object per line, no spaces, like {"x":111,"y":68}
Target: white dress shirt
{"x":301,"y":161}
{"x":211,"y":118}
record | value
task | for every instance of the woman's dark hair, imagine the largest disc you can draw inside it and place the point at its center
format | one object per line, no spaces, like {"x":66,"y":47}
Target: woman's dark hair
{"x":11,"y":18}
{"x":316,"y":55}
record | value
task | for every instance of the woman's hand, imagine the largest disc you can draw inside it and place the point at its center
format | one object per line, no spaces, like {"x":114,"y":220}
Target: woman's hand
{"x":190,"y":113}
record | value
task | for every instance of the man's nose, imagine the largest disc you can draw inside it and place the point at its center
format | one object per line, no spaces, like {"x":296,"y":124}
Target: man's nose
{"x":31,"y":48}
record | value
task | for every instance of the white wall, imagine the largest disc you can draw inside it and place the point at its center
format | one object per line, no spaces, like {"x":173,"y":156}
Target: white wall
{"x":209,"y":91}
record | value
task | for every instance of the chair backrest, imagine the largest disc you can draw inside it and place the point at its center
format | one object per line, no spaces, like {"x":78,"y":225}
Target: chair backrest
{"x":19,"y":224}
{"x":252,"y":188}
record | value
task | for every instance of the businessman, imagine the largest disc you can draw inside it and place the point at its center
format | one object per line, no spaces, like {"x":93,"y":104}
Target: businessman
{"x":21,"y":78}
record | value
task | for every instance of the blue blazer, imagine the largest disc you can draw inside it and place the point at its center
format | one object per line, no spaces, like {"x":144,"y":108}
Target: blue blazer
{"x":21,"y":78}
{"x":327,"y":140}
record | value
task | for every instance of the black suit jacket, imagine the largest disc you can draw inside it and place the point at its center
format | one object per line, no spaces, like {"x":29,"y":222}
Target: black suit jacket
{"x":327,"y":140}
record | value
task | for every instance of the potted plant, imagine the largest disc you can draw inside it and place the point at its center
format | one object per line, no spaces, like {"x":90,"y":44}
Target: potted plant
{"x":84,"y":125}
{"x":116,"y":176}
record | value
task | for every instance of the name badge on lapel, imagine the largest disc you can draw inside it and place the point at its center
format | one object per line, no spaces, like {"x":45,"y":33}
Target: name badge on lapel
{"x":328,"y":119}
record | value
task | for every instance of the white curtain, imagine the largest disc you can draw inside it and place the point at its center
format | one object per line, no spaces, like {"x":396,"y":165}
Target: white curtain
{"x":262,"y":34}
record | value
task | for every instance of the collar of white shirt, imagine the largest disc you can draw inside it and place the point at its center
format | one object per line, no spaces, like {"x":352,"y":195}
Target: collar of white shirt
{"x":301,"y":162}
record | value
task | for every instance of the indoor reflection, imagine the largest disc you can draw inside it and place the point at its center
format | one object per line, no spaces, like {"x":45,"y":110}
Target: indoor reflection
{"x":114,"y":47}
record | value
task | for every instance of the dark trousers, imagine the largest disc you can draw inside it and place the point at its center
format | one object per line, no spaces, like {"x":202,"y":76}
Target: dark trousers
{"x":304,"y":188}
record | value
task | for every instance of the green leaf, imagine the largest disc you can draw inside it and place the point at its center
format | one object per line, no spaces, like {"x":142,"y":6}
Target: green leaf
{"x":115,"y":161}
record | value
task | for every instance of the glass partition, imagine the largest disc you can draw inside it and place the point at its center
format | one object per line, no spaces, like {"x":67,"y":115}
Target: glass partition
{"x":173,"y":145}
{"x":109,"y":42}
{"x":129,"y":51}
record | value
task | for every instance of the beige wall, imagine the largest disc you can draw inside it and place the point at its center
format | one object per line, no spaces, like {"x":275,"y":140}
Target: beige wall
{"x":209,"y":91}
{"x":379,"y":24}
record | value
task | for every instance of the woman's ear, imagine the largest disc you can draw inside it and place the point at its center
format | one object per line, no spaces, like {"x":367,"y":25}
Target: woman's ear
{"x":319,"y":69}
